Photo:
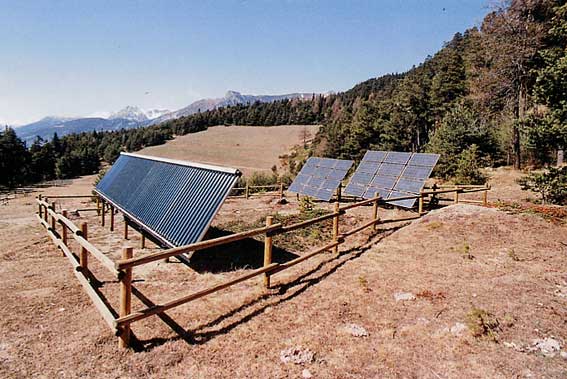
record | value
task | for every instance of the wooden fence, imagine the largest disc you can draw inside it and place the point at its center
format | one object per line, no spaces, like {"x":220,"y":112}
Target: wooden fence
{"x":120,"y":322}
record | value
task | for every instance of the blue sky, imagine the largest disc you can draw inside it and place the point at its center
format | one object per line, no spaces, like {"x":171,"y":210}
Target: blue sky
{"x":91,"y":57}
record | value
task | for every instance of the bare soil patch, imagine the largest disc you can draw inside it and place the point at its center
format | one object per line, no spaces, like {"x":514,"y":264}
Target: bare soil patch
{"x":453,"y":261}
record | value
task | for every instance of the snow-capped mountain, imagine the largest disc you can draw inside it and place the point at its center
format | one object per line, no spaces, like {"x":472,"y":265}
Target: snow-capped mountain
{"x":136,"y":114}
{"x":230,"y":98}
{"x":133,"y":117}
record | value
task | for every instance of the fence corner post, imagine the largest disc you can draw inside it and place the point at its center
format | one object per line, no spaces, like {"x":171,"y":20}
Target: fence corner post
{"x":337,"y":208}
{"x":267,"y":252}
{"x":456,"y":199}
{"x":125,"y":298}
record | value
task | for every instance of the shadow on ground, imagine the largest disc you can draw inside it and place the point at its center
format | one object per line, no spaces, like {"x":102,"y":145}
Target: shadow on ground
{"x":244,"y":254}
{"x":278,"y":294}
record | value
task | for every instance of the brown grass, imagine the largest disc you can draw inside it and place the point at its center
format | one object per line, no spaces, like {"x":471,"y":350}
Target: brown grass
{"x":50,"y":329}
{"x":248,"y":148}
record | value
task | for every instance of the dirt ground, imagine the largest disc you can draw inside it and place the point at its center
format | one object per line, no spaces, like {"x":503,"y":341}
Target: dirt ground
{"x":460,"y":269}
{"x":249,"y":148}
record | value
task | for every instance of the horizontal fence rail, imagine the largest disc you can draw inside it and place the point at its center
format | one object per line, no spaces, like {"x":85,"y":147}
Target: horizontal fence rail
{"x":122,"y":269}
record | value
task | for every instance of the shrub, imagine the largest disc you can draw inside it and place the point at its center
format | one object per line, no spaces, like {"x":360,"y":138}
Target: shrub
{"x":550,"y":184}
{"x":483,"y":324}
{"x":468,"y":169}
{"x":460,"y":130}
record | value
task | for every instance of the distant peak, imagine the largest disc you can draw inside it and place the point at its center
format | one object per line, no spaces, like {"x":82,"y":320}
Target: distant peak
{"x":231,"y":93}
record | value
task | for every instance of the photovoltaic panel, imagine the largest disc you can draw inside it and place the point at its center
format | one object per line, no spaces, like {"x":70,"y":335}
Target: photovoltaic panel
{"x":397,"y":157}
{"x":172,"y":201}
{"x":422,"y":159}
{"x":407,"y":185}
{"x":390,"y":169}
{"x":391,"y":174}
{"x":320,"y":177}
{"x":417,"y":172}
{"x":407,"y":203}
{"x":375,"y":156}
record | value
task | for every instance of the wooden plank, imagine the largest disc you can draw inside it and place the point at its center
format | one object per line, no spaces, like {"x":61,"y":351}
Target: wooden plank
{"x":194,"y":247}
{"x":286,"y":265}
{"x":160,"y":308}
{"x":103,"y":259}
{"x":100,"y":305}
{"x":303,"y":224}
{"x":69,"y":196}
{"x":360,"y":228}
{"x":69,"y":224}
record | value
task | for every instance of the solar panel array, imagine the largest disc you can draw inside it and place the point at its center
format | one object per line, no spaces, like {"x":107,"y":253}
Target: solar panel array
{"x":320,"y":177}
{"x":391,"y":174}
{"x":173,"y":201}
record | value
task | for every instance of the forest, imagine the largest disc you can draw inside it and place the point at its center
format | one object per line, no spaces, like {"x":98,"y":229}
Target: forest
{"x":495,"y":94}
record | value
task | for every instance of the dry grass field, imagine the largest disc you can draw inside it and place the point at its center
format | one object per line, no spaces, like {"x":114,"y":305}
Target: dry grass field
{"x":249,"y":148}
{"x":480,"y":286}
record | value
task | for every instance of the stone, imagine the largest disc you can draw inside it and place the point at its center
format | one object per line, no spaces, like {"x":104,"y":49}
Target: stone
{"x":404,"y":296}
{"x":306,"y":374}
{"x":458,"y":329}
{"x":548,"y":346}
{"x":356,"y":330}
{"x":297,"y":355}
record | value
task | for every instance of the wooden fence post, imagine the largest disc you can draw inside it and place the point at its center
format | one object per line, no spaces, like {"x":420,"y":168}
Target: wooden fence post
{"x":339,"y":192}
{"x":45,"y":210}
{"x":420,"y":203}
{"x":103,"y":212}
{"x":456,"y":200}
{"x":267,"y":252}
{"x":39,"y":208}
{"x":281,"y":189}
{"x":336,"y":227}
{"x":247,"y":191}
{"x":375,"y":211}
{"x":485,"y":195}
{"x":98,"y":206}
{"x":53,"y":226}
{"x":64,"y":231}
{"x":125,"y":228}
{"x":126,"y":298}
{"x":143,"y":240}
{"x":84,"y":256}
{"x":112,"y":218}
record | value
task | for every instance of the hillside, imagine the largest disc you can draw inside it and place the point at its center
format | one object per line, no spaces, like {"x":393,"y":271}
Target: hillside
{"x":513,"y":270}
{"x":248,"y":148}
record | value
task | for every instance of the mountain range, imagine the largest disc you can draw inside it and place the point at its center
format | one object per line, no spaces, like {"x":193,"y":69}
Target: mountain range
{"x":133,"y":117}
